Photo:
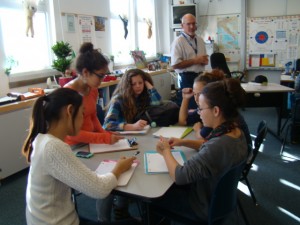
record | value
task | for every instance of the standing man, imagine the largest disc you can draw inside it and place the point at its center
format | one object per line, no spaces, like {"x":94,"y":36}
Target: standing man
{"x":188,"y":55}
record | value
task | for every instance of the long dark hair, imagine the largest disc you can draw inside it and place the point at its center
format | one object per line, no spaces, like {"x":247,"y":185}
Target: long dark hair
{"x":90,"y":58}
{"x":227,"y":94}
{"x":46,"y":110}
{"x":125,"y":92}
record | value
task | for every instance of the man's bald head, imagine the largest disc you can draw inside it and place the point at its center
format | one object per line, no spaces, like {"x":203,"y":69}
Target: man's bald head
{"x":188,"y":17}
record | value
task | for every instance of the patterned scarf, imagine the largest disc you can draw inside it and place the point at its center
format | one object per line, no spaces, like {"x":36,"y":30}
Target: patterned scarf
{"x":224,"y":128}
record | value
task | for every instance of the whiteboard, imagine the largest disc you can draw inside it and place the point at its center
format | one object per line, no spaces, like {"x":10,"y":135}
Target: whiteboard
{"x":277,"y":35}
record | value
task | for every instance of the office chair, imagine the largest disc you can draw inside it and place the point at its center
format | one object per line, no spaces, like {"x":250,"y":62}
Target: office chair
{"x":218,"y":61}
{"x":293,"y":122}
{"x":240,"y":75}
{"x":261,"y":134}
{"x":223,"y":201}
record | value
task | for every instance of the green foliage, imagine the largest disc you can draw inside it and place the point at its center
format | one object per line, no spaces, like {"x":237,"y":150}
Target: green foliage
{"x":64,"y":56}
{"x":10,"y":63}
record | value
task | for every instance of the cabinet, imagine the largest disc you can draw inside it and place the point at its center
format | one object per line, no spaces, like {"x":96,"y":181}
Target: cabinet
{"x":14,"y":126}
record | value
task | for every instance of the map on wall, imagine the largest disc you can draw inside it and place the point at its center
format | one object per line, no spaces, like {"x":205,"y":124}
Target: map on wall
{"x":226,"y":32}
{"x":276,"y":38}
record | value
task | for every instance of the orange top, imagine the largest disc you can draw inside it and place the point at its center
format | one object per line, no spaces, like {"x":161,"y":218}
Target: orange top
{"x":91,"y":130}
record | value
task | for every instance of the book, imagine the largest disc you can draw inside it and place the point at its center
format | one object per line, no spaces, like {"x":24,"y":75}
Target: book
{"x":107,"y":166}
{"x":177,"y":132}
{"x":144,"y":131}
{"x":155,"y":163}
{"x":121,"y":145}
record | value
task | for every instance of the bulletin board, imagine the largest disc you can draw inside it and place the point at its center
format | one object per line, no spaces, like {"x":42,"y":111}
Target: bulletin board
{"x":272,"y":42}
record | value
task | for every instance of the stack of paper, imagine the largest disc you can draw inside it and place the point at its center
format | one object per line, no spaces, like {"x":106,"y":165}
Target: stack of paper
{"x":107,"y":166}
{"x":177,"y":132}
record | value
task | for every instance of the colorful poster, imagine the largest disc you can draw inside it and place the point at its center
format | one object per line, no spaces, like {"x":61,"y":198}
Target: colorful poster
{"x":87,"y":29}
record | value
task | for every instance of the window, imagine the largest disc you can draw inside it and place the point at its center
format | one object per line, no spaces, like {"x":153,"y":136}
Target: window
{"x":31,"y":54}
{"x":137,"y":12}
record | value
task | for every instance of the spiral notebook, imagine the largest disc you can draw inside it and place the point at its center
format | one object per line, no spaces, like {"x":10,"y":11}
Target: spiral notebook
{"x":107,"y":166}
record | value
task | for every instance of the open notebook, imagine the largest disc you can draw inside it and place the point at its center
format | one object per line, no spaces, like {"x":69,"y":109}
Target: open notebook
{"x":177,"y":132}
{"x":121,"y":145}
{"x":107,"y":166}
{"x":155,"y":163}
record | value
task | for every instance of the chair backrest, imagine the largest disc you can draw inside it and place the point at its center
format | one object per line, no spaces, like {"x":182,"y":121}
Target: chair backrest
{"x":218,"y":61}
{"x":262,"y":130}
{"x":239,"y":75}
{"x":296,"y":112}
{"x":224,"y":198}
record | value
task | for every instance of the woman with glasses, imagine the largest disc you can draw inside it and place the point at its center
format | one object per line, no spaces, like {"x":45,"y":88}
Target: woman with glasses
{"x":190,"y":117}
{"x":224,"y":148}
{"x":187,"y":118}
{"x":91,"y":67}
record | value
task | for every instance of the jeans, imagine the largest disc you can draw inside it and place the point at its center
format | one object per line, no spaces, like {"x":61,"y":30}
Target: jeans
{"x":176,"y":200}
{"x":104,"y":206}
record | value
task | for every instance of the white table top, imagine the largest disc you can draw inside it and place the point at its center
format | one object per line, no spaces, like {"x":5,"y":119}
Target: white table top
{"x":287,"y":78}
{"x":271,"y":87}
{"x":140,"y":184}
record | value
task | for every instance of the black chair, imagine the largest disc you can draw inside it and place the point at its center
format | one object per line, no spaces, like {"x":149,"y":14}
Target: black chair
{"x":223,"y":202}
{"x":261,"y":134}
{"x":218,"y":61}
{"x":293,"y":122}
{"x":240,"y":75}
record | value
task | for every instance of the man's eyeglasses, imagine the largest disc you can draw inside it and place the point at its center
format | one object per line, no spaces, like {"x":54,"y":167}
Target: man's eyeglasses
{"x":199,"y":110}
{"x":100,"y":75}
{"x":190,"y":24}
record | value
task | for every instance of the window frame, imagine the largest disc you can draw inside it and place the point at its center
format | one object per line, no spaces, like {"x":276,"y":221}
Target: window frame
{"x":46,"y":7}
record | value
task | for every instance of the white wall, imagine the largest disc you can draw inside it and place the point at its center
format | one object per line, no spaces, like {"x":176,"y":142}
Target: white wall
{"x":86,"y":7}
{"x":254,"y":8}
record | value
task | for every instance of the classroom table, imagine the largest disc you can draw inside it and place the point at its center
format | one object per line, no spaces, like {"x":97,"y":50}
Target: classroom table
{"x":142,"y":186}
{"x":271,"y":95}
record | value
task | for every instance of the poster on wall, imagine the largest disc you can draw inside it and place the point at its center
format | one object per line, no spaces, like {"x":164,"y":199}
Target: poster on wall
{"x":276,"y":36}
{"x":70,"y":18}
{"x":99,"y":25}
{"x":87,"y":29}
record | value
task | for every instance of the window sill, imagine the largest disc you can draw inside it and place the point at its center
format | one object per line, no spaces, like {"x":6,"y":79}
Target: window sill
{"x":29,"y":78}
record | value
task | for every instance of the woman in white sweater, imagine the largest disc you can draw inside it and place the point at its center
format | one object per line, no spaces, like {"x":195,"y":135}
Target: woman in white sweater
{"x":54,"y":169}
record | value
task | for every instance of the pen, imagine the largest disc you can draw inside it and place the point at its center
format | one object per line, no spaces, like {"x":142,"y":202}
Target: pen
{"x":135,"y":154}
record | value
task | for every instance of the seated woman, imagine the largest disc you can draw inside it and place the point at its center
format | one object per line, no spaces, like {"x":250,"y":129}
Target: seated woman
{"x":133,"y":94}
{"x":225,"y":147}
{"x":91,"y":67}
{"x":190,"y":117}
{"x":54,"y":169}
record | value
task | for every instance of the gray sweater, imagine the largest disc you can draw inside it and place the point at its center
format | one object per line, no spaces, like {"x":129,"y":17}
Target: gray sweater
{"x":202,"y":171}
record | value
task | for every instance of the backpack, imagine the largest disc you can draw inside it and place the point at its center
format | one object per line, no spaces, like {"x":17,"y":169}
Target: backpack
{"x":165,"y":114}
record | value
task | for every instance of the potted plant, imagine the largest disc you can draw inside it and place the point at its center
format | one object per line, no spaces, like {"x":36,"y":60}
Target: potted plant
{"x":64,"y":57}
{"x":10,"y":63}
